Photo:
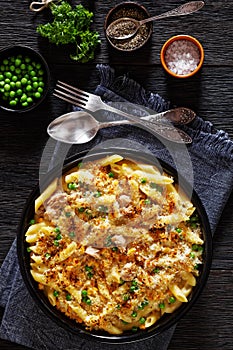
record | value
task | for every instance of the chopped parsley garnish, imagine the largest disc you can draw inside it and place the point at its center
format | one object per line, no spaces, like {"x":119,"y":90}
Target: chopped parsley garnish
{"x":156,"y":270}
{"x":56,"y":293}
{"x":111,"y":174}
{"x":97,"y":194}
{"x":156,"y":186}
{"x":32,"y":222}
{"x":103,"y":209}
{"x":143,"y":180}
{"x":81,"y":209}
{"x":126,"y":297}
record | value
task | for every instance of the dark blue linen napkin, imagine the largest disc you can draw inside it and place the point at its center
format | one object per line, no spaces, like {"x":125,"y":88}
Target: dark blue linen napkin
{"x":211,"y":155}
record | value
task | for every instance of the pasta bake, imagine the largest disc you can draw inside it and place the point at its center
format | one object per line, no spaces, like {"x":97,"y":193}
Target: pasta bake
{"x":114,"y":244}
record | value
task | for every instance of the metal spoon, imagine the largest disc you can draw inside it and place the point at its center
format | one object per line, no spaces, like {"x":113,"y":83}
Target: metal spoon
{"x":125,"y":28}
{"x":80,"y":127}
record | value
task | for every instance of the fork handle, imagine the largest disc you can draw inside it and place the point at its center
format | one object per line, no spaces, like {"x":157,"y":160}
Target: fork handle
{"x":168,"y":132}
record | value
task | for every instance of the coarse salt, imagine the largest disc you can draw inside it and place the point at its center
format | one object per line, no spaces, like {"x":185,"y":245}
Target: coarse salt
{"x":182,"y":57}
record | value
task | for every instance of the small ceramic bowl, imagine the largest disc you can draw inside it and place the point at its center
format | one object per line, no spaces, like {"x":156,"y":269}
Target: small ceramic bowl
{"x":182,"y":56}
{"x":132,"y":10}
{"x":24,"y":78}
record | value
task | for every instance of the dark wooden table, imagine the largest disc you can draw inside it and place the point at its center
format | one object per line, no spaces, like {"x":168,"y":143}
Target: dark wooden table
{"x":208,"y":326}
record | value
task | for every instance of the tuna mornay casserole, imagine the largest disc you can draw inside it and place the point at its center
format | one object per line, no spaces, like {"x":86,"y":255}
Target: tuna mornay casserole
{"x":114,"y":245}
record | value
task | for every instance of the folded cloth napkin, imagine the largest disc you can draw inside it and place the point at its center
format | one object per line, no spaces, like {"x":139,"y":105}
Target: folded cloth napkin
{"x":211,"y":155}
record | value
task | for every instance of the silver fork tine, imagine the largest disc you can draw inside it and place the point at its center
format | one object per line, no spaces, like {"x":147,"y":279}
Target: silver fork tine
{"x":74,"y":97}
{"x":75,"y":94}
{"x":70,"y":87}
{"x":68,"y":98}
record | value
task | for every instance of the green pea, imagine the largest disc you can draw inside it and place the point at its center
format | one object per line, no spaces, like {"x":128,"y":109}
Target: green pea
{"x":68,"y":297}
{"x":14,"y":78}
{"x":172,"y":300}
{"x":19,"y":92}
{"x":32,"y":73}
{"x":12,"y":93}
{"x":27,"y":59}
{"x":5,"y":61}
{"x":29,"y":88}
{"x":7,"y":93}
{"x":29,"y":100}
{"x":161,"y":305}
{"x":25,"y":104}
{"x":8,"y":75}
{"x":40,"y":89}
{"x":18,"y":84}
{"x":2,"y":68}
{"x":23,"y":98}
{"x":38,"y":65}
{"x":18,"y":71}
{"x":13,"y":103}
{"x":1,"y":77}
{"x":23,"y":66}
{"x":40,"y":72}
{"x":12,"y":68}
{"x":24,"y":81}
{"x":35,"y":85}
{"x":7,"y":81}
{"x":2,"y":83}
{"x":56,"y":293}
{"x":142,"y":320}
{"x":12,"y":84}
{"x":7,"y":87}
{"x":37,"y":95}
{"x":34,"y":78}
{"x":41,"y":84}
{"x":18,"y":62}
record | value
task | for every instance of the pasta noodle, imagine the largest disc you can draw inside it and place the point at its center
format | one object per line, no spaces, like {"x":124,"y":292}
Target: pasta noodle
{"x":115,"y":246}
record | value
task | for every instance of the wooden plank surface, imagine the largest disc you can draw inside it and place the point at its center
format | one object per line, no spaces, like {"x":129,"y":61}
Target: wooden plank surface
{"x":208,"y":326}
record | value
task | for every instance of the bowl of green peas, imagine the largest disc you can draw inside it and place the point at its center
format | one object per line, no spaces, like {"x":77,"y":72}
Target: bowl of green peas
{"x":24,"y":78}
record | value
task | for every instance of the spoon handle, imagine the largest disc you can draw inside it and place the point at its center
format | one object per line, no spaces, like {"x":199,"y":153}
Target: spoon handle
{"x":179,"y":115}
{"x":157,"y":123}
{"x":182,"y":10}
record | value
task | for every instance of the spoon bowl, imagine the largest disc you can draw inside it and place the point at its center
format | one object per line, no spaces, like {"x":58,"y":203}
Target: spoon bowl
{"x":125,"y":28}
{"x":80,"y":127}
{"x":75,"y":127}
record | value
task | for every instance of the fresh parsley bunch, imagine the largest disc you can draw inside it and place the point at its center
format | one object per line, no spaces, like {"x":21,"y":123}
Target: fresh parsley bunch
{"x":71,"y":26}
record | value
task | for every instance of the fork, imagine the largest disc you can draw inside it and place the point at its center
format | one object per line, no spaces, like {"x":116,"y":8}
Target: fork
{"x":94,"y":103}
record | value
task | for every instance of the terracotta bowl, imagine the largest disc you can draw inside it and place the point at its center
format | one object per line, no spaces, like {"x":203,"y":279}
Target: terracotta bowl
{"x":179,"y":40}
